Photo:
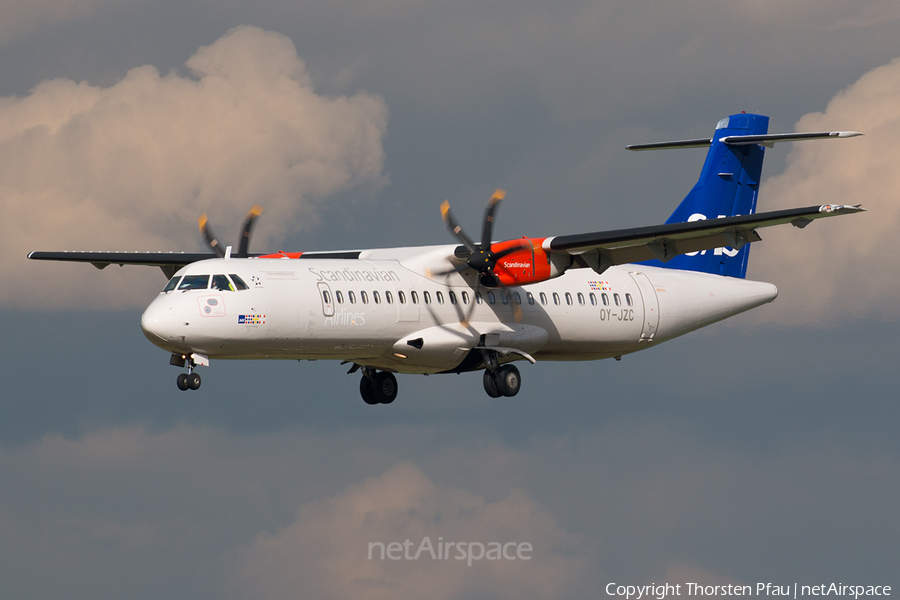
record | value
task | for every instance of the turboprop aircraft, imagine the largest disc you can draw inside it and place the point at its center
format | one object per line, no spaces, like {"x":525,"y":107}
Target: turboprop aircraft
{"x":479,"y":306}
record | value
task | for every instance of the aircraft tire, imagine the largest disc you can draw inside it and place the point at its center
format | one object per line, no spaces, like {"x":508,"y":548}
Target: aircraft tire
{"x":508,"y":380}
{"x":366,"y":391}
{"x":490,"y":384}
{"x":385,"y":387}
{"x":182,"y":382}
{"x":193,"y":381}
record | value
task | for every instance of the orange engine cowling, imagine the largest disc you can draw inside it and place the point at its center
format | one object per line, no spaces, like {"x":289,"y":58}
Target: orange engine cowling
{"x":528,"y":265}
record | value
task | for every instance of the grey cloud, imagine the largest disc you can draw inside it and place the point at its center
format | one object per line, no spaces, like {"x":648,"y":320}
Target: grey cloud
{"x":200,"y":512}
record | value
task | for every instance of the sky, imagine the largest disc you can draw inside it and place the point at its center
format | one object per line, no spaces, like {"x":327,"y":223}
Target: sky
{"x":761,"y":449}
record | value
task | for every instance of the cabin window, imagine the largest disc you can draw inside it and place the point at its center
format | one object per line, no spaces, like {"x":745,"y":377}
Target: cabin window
{"x":452,"y":297}
{"x":376,"y":297}
{"x":478,"y":298}
{"x":568,"y":298}
{"x":440,"y":297}
{"x":172,"y":284}
{"x":427,"y":297}
{"x":465,"y":297}
{"x":517,"y":297}
{"x":628,"y":300}
{"x":555,"y":298}
{"x":593,"y":299}
{"x":339,"y":296}
{"x":364,"y":297}
{"x":194,"y":282}
{"x":605,"y":300}
{"x":401,"y":297}
{"x":617,"y":300}
{"x":326,"y":296}
{"x":530,"y":297}
{"x":491,"y":299}
{"x":389,"y":298}
{"x":504,"y":298}
{"x":351,"y":297}
{"x":238,"y":282}
{"x":543,"y":298}
{"x":220,"y":282}
{"x":580,"y":298}
{"x":414,"y":296}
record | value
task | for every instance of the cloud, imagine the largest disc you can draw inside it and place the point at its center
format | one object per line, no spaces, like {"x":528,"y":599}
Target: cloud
{"x":840,"y":268}
{"x":19,"y":18}
{"x":131,"y":166}
{"x":324,"y":553}
{"x":199,"y":512}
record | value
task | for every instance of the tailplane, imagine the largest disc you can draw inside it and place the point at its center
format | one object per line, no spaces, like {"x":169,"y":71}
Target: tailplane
{"x":728,"y":185}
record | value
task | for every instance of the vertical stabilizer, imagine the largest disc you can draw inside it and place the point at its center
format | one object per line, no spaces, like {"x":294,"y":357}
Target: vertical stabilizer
{"x":728,"y":186}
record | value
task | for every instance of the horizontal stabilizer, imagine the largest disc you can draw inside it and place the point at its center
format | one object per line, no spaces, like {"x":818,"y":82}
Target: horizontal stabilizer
{"x":771,"y":138}
{"x":698,"y":143}
{"x":742,"y":140}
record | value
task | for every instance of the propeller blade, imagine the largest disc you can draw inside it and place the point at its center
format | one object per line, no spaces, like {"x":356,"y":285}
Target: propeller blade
{"x":247,"y":229}
{"x":488,"y":228}
{"x":455,"y":228}
{"x":507,"y":251}
{"x":209,"y":236}
{"x":456,"y":269}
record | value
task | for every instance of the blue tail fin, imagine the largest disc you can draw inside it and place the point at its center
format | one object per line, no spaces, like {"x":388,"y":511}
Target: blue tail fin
{"x":728,"y":186}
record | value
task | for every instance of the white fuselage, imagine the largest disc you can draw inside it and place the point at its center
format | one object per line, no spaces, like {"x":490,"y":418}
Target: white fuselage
{"x":383,"y":311}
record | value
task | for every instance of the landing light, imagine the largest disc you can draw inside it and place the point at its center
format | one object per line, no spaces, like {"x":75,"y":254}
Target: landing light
{"x":398,"y":355}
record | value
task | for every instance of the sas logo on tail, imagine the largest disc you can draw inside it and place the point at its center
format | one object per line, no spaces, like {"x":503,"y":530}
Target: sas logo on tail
{"x":718,"y":251}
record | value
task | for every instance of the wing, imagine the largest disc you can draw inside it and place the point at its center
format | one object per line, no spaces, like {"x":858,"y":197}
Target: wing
{"x":604,"y":249}
{"x":169,"y":262}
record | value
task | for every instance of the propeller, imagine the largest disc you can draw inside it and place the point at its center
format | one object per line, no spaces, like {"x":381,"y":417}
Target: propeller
{"x":213,"y":242}
{"x":481,"y":258}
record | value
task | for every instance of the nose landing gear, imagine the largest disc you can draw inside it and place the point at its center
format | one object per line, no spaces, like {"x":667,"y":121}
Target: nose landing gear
{"x":189,"y":380}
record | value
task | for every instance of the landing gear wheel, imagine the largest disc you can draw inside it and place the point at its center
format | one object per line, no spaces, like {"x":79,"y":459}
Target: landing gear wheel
{"x":193,"y":381}
{"x":384,"y":387}
{"x":366,"y":391}
{"x":490,"y":384}
{"x":182,"y":382}
{"x":508,"y":380}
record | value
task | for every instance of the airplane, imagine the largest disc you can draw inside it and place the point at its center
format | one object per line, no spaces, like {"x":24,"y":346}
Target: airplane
{"x":479,"y":305}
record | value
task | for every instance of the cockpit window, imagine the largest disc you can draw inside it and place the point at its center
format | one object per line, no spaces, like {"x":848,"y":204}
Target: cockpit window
{"x":238,"y":282}
{"x":220,"y":282}
{"x":194,"y":282}
{"x":172,"y":283}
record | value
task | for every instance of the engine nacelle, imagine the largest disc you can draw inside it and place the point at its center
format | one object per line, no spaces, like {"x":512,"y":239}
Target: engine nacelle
{"x":531,"y":264}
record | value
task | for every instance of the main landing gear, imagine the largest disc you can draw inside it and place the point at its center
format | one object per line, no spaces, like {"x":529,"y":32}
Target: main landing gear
{"x":503,"y":381}
{"x":377,"y":388}
{"x":189,"y":380}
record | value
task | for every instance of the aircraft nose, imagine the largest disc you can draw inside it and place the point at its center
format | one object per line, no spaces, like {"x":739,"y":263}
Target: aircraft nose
{"x":160,"y":323}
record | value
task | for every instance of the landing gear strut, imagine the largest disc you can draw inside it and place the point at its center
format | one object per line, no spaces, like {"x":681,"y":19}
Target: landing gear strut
{"x":377,"y":388}
{"x":189,"y":380}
